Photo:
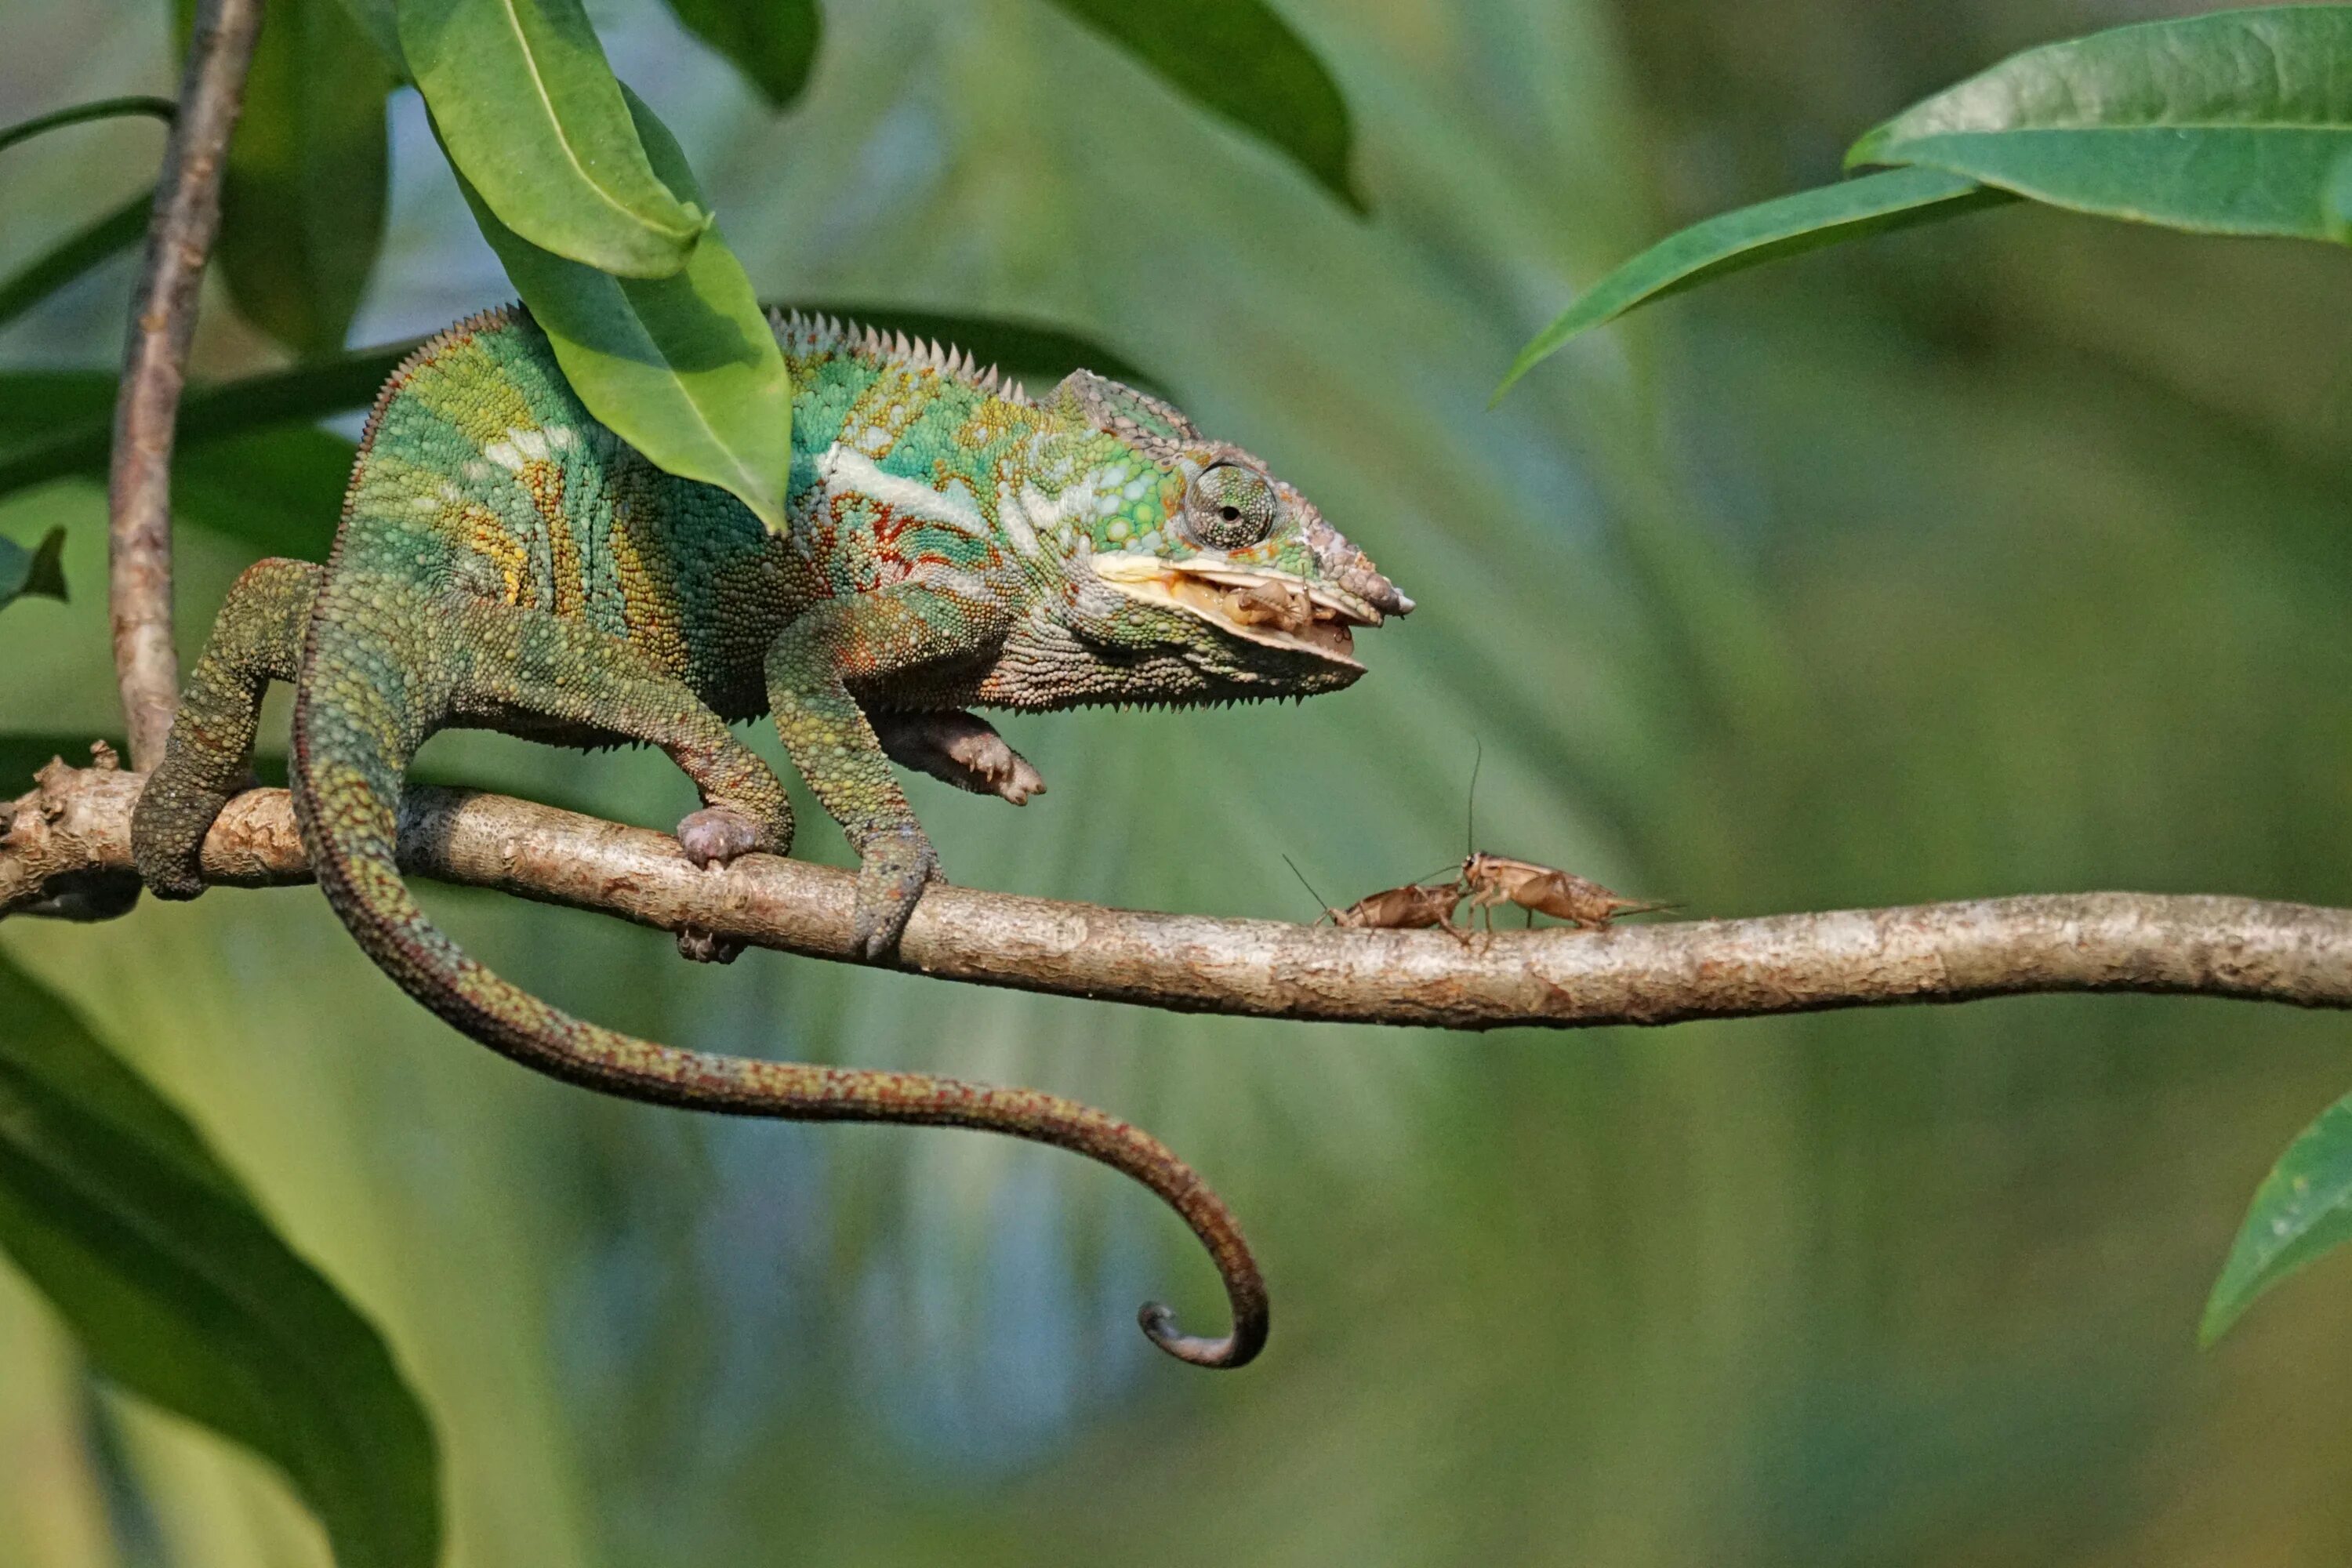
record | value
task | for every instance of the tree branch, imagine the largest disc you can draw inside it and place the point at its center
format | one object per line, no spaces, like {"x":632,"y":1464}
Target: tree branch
{"x":180,"y":229}
{"x":72,"y":835}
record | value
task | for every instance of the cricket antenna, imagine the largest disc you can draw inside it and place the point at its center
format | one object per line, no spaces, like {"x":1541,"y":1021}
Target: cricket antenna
{"x":1470,"y":811}
{"x":1308,"y":886}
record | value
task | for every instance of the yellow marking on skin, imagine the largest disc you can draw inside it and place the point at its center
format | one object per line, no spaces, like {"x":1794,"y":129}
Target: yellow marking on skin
{"x":544,"y":483}
{"x":649,"y":602}
{"x":465,"y":385}
{"x":485,"y":533}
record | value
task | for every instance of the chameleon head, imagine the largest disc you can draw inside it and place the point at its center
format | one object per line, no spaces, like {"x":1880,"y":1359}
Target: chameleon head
{"x":1198,"y":575}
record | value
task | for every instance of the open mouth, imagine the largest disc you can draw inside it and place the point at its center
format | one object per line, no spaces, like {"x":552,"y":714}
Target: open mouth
{"x":1272,"y":608}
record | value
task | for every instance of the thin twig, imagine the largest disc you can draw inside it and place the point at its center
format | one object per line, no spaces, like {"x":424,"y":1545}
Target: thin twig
{"x":71,"y":839}
{"x":180,"y":232}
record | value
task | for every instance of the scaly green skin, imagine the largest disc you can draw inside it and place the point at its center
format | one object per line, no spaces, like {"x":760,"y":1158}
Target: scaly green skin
{"x":505,"y":562}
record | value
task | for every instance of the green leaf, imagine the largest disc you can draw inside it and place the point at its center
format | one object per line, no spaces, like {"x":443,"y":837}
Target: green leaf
{"x":75,"y":254}
{"x":178,"y":1289}
{"x":2304,"y":1208}
{"x":161,"y":108}
{"x":32,"y":572}
{"x":683,"y":368}
{"x":1873,"y":204}
{"x":1241,"y":62}
{"x":279,"y":492}
{"x":381,"y":27}
{"x":302,"y":198}
{"x":2229,"y":123}
{"x":530,"y":114}
{"x":771,"y":42}
{"x":54,"y":422}
{"x":1033,"y":350}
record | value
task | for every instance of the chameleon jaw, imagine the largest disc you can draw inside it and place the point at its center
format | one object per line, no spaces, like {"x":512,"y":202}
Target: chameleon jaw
{"x":1274,"y":609}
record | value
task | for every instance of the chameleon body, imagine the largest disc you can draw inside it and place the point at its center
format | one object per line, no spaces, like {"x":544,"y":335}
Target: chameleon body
{"x":506,"y":562}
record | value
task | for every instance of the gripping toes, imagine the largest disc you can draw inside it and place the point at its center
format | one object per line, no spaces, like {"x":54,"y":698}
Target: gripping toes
{"x":712,"y":837}
{"x":962,"y":749}
{"x":891,"y":874}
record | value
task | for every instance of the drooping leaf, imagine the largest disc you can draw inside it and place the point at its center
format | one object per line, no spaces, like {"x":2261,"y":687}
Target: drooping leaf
{"x":1032,"y":350}
{"x":179,"y":1289}
{"x":38,"y":407}
{"x":531,"y":115}
{"x":34,"y":571}
{"x":302,"y":198}
{"x":1241,"y":62}
{"x":771,"y":42}
{"x":63,"y":420}
{"x":154,"y":108}
{"x":1872,"y":204}
{"x":381,"y":27}
{"x":683,"y":368}
{"x":279,"y":492}
{"x":2229,"y":123}
{"x":91,"y":246}
{"x":2303,"y":1208}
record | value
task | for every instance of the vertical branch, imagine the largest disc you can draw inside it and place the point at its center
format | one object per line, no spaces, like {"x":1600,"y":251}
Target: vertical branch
{"x":180,"y":232}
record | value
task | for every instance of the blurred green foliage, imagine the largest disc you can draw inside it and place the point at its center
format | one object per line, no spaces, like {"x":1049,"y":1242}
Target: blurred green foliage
{"x":1990,"y":557}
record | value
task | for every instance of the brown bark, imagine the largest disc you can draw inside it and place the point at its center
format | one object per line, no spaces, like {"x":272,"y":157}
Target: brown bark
{"x":180,"y":233}
{"x":66,"y":849}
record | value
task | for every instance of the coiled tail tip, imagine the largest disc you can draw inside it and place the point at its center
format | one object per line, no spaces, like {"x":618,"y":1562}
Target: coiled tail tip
{"x":1237,"y":1349}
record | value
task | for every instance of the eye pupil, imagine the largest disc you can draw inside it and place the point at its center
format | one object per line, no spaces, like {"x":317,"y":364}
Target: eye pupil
{"x":1230,"y":513}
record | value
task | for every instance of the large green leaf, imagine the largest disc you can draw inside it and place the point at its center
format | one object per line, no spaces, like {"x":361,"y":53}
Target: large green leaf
{"x":302,"y":198}
{"x":54,"y":422}
{"x":83,"y":113}
{"x":1239,"y":60}
{"x":1765,"y":232}
{"x":279,"y":492}
{"x":530,"y":114}
{"x":178,"y":1289}
{"x":33,"y":572}
{"x":2231,"y":124}
{"x":381,"y":27}
{"x":683,"y":368}
{"x":2302,"y":1209}
{"x":91,"y":246}
{"x":771,"y":42}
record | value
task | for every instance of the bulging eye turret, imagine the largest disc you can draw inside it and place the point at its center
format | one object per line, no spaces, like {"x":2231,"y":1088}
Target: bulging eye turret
{"x":1230,"y":506}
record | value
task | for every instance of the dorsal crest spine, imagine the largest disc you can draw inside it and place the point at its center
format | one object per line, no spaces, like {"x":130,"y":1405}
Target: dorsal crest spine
{"x":805,"y":333}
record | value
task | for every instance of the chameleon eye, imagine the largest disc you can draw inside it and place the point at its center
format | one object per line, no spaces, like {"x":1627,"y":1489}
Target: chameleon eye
{"x":1230,"y":507}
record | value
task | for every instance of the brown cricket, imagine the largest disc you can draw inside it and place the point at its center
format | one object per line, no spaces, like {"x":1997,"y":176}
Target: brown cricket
{"x":1488,"y":881}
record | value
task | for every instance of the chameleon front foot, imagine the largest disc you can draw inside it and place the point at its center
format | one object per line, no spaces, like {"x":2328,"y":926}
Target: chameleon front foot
{"x":891,"y":875}
{"x":711,"y":837}
{"x":959,"y":748}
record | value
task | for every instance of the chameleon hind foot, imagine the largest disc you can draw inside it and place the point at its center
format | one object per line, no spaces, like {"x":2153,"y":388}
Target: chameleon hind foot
{"x":959,"y":748}
{"x":892,"y":872}
{"x":712,"y":837}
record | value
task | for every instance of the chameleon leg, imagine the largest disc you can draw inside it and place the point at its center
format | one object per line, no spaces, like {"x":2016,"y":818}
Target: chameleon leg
{"x":866,"y":641}
{"x":957,"y":748}
{"x":565,"y":670}
{"x":256,"y":638}
{"x":380,"y":673}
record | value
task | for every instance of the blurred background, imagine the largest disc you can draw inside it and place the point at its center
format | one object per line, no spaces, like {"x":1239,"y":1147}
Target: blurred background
{"x":2001,"y":556}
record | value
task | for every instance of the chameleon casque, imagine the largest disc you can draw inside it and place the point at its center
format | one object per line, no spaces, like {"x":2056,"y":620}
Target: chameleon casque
{"x":505,"y":562}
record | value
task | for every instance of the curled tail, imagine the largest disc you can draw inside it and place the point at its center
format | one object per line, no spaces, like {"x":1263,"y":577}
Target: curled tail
{"x":367,"y":699}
